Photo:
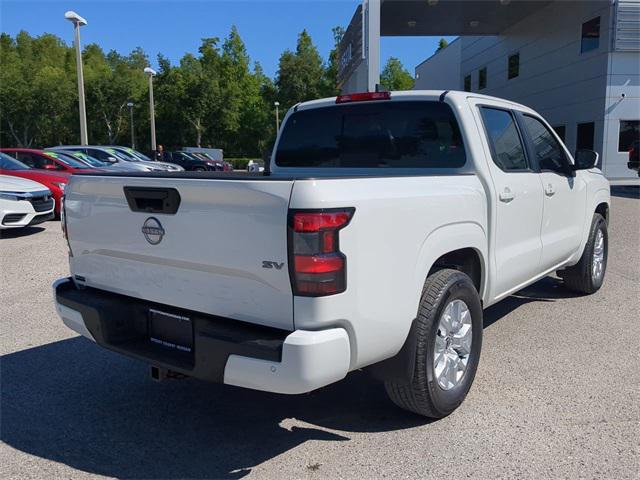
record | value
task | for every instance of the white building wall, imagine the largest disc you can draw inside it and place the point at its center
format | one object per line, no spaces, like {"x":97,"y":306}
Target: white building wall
{"x":441,"y":71}
{"x":564,"y":85}
{"x":623,"y":78}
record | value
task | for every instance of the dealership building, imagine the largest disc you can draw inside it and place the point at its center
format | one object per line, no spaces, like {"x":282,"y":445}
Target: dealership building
{"x":576,"y":62}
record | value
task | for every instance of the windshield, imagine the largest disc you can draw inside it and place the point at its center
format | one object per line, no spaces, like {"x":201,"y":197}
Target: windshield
{"x":188,"y":157}
{"x":138,"y":154}
{"x":385,"y":134}
{"x":94,"y":162}
{"x":8,"y":163}
{"x":121,"y":155}
{"x":67,"y":160}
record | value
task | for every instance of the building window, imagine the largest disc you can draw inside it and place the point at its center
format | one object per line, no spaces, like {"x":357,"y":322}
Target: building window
{"x":482,"y":78}
{"x":561,"y":131}
{"x":590,"y":35}
{"x":585,"y":136}
{"x":467,"y":83}
{"x":514,"y":66}
{"x":629,"y":133}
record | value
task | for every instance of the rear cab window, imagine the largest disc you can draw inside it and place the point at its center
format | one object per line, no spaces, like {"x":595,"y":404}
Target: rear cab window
{"x":373,"y":135}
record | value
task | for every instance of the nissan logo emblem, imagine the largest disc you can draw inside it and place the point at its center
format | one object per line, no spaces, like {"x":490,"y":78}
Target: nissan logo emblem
{"x":152,"y":230}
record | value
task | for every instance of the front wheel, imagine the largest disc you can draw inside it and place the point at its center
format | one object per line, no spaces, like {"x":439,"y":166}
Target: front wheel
{"x":448,"y":341}
{"x":587,"y":276}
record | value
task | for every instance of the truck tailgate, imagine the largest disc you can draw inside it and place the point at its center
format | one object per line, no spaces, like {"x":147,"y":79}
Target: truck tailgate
{"x":208,"y":256}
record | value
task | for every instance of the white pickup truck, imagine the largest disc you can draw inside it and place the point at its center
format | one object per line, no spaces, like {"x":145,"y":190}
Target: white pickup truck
{"x":384,"y":226}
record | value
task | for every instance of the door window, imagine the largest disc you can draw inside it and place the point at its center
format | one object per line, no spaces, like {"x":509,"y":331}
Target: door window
{"x":506,"y":145}
{"x":30,"y":160}
{"x":548,"y":151}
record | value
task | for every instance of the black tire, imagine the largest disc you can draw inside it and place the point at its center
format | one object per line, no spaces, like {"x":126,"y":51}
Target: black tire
{"x":198,"y":169}
{"x":423,"y":394}
{"x":579,"y":277}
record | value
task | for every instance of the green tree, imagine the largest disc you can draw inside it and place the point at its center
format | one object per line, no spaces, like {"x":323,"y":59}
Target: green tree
{"x":300,"y":73}
{"x":395,"y":77}
{"x":441,"y":44}
{"x":330,"y":87}
{"x":37,"y":94}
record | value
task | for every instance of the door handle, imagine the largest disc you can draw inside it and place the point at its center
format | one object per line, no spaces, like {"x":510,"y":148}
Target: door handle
{"x":549,"y":191}
{"x":507,"y":195}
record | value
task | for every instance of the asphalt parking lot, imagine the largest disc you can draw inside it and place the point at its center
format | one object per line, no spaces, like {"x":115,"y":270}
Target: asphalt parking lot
{"x":557,"y":394}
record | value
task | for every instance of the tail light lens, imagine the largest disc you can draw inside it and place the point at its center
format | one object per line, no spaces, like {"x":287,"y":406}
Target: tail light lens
{"x":316,"y":264}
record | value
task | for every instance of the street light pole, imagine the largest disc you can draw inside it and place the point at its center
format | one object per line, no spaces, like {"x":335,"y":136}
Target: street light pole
{"x":152,"y":113}
{"x":277,"y":104}
{"x":78,"y":22}
{"x":133,"y":140}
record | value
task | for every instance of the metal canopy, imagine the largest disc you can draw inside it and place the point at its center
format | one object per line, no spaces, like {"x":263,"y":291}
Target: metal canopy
{"x":453,"y":17}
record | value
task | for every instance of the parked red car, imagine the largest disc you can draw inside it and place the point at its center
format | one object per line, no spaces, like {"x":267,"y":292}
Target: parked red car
{"x":54,"y":181}
{"x":45,"y":160}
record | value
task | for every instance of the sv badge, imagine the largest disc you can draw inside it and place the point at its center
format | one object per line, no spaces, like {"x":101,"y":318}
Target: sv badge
{"x":276,"y":265}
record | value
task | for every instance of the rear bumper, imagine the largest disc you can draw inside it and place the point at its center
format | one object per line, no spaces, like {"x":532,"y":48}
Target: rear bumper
{"x":224,"y":350}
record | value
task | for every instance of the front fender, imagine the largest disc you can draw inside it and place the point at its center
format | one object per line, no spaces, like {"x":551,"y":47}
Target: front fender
{"x":602,"y":195}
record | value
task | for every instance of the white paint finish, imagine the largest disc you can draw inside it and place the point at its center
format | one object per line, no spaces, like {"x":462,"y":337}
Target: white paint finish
{"x":10,"y":184}
{"x":310,"y":360}
{"x":401,"y":226}
{"x":516,"y":202}
{"x":210,"y":259}
{"x":71,"y":318}
{"x":396,"y":221}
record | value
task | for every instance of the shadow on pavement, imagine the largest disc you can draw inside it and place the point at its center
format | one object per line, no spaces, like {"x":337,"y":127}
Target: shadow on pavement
{"x":20,"y":232}
{"x":75,"y":403}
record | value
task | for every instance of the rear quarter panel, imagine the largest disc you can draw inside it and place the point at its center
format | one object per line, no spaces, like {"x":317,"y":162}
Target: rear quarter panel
{"x":401,"y":225}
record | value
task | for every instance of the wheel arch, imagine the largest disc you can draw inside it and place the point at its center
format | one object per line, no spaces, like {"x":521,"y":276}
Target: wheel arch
{"x":601,"y":204}
{"x":462,"y":246}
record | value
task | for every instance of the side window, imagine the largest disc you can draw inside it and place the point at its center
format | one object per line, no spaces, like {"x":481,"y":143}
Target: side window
{"x":28,"y":160}
{"x":99,"y":154}
{"x":47,"y":161}
{"x":506,"y":145}
{"x":548,"y":150}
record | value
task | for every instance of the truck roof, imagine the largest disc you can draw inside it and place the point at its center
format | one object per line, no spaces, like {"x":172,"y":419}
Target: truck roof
{"x":455,"y":95}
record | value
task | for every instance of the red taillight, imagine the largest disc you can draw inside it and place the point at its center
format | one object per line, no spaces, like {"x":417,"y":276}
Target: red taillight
{"x":363,"y":97}
{"x":318,"y":263}
{"x":314,"y":222}
{"x":317,"y":266}
{"x":631,"y":152}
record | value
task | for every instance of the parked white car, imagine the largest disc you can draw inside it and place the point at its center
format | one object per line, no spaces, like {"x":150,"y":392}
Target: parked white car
{"x":24,"y":202}
{"x":387,"y":223}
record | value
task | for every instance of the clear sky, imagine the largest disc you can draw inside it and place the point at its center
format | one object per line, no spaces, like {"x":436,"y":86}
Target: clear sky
{"x":172,"y":27}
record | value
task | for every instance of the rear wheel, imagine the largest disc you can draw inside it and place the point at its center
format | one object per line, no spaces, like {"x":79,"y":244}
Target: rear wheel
{"x":198,"y":169}
{"x":587,"y":276}
{"x":448,"y":341}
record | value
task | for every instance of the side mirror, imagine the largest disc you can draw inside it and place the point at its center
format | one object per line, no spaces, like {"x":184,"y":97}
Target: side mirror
{"x":585,"y":159}
{"x":112,"y":160}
